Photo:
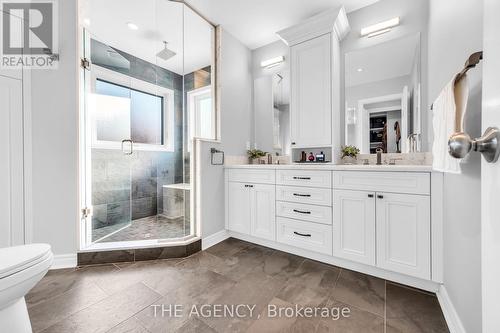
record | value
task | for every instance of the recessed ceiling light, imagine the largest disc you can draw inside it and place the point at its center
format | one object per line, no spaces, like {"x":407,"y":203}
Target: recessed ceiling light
{"x":379,"y":28}
{"x":86,"y":21}
{"x":132,"y":26}
{"x":360,"y":69}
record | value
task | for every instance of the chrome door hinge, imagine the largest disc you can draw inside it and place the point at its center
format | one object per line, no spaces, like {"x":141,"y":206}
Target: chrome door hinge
{"x":85,"y":63}
{"x":86,"y":212}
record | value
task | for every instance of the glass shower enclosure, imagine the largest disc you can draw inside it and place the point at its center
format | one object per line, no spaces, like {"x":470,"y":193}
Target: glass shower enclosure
{"x":138,"y":121}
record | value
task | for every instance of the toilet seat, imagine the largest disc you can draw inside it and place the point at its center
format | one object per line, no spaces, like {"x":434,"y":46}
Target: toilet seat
{"x":18,"y":258}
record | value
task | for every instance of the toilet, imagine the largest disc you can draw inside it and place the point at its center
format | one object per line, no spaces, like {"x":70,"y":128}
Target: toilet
{"x":21,"y":267}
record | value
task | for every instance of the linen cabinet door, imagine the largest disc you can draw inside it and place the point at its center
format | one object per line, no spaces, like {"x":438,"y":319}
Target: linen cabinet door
{"x":354,"y":226}
{"x":263,"y":211}
{"x":403,"y":234}
{"x":311,"y":93}
{"x":239,"y":207}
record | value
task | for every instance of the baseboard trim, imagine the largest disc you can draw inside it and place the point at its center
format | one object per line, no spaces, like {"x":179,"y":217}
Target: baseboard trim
{"x":214,"y":239}
{"x":64,"y":261}
{"x":450,"y":313}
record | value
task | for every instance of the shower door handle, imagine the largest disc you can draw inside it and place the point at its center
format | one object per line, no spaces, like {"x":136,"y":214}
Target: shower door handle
{"x":131,"y":150}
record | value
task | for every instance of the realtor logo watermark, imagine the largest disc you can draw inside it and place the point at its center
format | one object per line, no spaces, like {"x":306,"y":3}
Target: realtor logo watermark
{"x":29,"y":34}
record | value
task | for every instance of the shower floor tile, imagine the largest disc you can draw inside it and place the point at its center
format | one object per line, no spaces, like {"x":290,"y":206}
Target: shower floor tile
{"x":152,"y":227}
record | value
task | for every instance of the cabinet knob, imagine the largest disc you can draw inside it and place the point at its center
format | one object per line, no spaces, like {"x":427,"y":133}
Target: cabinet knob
{"x":293,"y":143}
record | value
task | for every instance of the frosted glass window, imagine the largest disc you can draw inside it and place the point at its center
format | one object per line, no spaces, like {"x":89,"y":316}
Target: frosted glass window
{"x":122,"y":113}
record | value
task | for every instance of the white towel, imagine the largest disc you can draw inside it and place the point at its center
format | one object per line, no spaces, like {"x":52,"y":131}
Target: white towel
{"x":443,"y":122}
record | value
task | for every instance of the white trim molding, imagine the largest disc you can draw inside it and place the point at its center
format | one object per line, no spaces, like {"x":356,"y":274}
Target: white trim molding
{"x":450,"y":313}
{"x":64,"y":261}
{"x":214,"y":239}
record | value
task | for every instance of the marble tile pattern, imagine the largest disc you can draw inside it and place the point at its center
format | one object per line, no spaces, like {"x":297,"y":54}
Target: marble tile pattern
{"x":122,"y":297}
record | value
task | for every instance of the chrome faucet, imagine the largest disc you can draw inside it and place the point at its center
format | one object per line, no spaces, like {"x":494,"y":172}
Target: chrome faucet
{"x":412,"y":142}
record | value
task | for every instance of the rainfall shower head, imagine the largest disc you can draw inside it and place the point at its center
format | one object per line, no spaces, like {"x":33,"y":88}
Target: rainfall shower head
{"x":166,"y":53}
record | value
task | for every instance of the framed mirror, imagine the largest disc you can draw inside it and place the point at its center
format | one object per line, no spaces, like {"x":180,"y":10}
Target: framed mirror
{"x":383,"y":97}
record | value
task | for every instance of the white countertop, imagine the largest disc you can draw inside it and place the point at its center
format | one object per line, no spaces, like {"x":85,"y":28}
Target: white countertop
{"x":335,"y":167}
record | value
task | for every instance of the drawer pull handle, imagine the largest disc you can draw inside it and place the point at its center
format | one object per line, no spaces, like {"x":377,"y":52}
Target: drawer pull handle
{"x":303,"y":235}
{"x":302,"y":195}
{"x":370,"y":195}
{"x":301,"y":211}
{"x":302,"y":178}
{"x":380,"y":196}
{"x":248,"y":185}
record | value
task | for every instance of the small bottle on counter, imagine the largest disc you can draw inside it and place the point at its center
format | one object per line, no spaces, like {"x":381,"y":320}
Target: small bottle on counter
{"x":311,"y":157}
{"x":320,"y":157}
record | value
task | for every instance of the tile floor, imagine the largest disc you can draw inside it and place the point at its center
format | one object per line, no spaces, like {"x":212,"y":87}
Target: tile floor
{"x":123,"y":297}
{"x":152,"y":227}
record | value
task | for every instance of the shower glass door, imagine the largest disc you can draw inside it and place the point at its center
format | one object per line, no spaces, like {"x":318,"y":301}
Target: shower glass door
{"x":109,"y":145}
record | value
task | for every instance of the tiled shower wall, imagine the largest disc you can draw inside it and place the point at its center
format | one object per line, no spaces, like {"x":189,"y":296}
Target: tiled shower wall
{"x":125,"y":187}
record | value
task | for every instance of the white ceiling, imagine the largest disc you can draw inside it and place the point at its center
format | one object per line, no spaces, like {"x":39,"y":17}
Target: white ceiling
{"x":255,"y":22}
{"x":158,"y":20}
{"x":381,"y":62}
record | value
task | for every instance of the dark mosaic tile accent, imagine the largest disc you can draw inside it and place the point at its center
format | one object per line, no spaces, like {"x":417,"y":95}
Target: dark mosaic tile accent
{"x":133,"y":255}
{"x":161,"y":253}
{"x":193,"y":248}
{"x":105,"y":257}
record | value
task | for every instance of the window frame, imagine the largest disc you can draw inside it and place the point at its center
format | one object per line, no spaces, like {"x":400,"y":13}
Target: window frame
{"x":168,"y":95}
{"x":194,"y":117}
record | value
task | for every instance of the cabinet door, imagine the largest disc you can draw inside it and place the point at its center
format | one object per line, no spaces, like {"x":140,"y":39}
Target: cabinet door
{"x":263,"y":216}
{"x":11,"y":163}
{"x":239,"y":207}
{"x":403,"y":234}
{"x":311,"y":99}
{"x":354,"y":226}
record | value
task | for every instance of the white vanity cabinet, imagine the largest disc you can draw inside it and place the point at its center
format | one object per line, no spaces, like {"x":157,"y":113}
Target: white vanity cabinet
{"x":315,"y":78}
{"x":311,"y":92}
{"x":250,"y":206}
{"x":377,"y":222}
{"x":380,"y":227}
{"x":354,"y":226}
{"x":404,"y":234}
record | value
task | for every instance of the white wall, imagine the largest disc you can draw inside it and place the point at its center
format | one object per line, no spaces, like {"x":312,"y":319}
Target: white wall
{"x":414,"y":15}
{"x":55,"y":142}
{"x":235,"y":84}
{"x":455,"y":31}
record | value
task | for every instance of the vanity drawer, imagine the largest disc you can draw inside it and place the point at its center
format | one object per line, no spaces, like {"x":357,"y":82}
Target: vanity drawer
{"x":312,"y":213}
{"x":306,"y":195}
{"x":311,"y":178}
{"x":309,"y":236}
{"x":252,"y":176}
{"x":396,"y":182}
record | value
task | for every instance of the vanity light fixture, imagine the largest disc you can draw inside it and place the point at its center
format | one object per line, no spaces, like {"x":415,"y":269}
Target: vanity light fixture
{"x":380,"y":28}
{"x":132,"y":26}
{"x":360,"y":70}
{"x":270,"y":63}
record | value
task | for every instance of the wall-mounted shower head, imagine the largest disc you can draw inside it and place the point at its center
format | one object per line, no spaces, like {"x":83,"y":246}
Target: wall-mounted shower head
{"x":166,"y":53}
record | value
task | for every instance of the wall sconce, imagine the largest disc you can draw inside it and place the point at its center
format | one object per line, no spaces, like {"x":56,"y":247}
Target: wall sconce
{"x":270,"y":63}
{"x":380,"y":28}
